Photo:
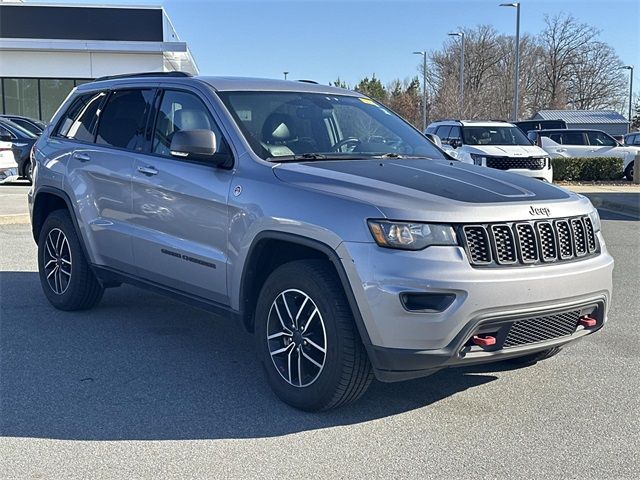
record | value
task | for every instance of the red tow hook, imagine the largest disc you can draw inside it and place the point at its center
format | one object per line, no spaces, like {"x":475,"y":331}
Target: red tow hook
{"x":485,"y":341}
{"x":588,"y":322}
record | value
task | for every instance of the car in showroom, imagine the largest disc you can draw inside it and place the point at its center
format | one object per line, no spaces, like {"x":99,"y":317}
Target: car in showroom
{"x":493,"y":144}
{"x":574,"y":142}
{"x":34,"y":126}
{"x":344,"y":240}
{"x":21,"y":141}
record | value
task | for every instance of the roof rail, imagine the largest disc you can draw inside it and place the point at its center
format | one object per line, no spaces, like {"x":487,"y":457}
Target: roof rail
{"x":309,"y":81}
{"x":144,"y":74}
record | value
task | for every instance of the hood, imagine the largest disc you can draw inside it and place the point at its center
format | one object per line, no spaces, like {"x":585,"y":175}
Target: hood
{"x":507,"y":150}
{"x":433,"y":190}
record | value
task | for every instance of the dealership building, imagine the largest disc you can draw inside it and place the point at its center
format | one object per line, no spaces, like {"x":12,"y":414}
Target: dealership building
{"x":47,"y":49}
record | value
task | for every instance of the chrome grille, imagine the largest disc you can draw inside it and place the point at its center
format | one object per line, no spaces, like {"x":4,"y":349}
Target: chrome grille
{"x":507,"y":163}
{"x":505,"y":246}
{"x":591,"y":238}
{"x":547,"y":241}
{"x":564,"y":239}
{"x":539,"y":329}
{"x":530,"y":242}
{"x":477,"y":244}
{"x":579,"y":235}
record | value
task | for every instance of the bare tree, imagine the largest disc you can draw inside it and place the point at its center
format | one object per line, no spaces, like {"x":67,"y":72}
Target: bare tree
{"x":562,"y":40}
{"x":596,"y":80}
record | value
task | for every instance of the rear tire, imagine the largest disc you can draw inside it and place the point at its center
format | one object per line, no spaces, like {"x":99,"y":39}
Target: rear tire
{"x":535,"y":357}
{"x":28,"y":171}
{"x":628,"y":172}
{"x":65,"y":276}
{"x":303,"y":316}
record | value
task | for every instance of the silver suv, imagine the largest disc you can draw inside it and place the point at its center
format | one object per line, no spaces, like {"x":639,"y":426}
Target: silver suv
{"x":349,"y":244}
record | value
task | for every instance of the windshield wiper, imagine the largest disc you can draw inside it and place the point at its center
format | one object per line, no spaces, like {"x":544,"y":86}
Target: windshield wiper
{"x":399,"y":155}
{"x":313,"y":157}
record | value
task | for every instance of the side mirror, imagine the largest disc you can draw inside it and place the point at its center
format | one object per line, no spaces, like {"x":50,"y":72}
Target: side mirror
{"x":194,"y":144}
{"x":5,"y":137}
{"x":455,"y":142}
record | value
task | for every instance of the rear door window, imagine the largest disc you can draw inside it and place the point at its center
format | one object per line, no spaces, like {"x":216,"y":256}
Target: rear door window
{"x":571,"y":138}
{"x":601,"y":139}
{"x":123,"y":121}
{"x":79,"y":121}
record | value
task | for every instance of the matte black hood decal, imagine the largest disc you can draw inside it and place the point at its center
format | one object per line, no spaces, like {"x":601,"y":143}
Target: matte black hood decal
{"x":447,"y":179}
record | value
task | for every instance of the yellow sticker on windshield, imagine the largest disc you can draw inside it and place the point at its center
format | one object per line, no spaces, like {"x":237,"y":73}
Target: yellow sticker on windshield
{"x":366,"y":100}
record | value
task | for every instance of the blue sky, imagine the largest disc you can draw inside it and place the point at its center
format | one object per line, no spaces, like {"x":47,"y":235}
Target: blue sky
{"x":322,"y":40}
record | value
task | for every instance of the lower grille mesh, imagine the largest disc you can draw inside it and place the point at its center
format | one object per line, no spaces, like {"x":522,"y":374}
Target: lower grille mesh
{"x":539,"y":329}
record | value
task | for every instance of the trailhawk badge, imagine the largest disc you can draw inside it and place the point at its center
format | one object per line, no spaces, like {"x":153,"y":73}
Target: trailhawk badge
{"x":539,"y":211}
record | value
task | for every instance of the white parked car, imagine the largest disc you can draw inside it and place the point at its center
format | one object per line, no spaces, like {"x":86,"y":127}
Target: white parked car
{"x":584,"y":143}
{"x":493,"y":144}
{"x":8,"y":164}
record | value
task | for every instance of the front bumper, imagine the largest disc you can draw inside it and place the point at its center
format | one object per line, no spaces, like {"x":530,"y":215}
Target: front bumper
{"x":405,"y":344}
{"x":545,"y":174}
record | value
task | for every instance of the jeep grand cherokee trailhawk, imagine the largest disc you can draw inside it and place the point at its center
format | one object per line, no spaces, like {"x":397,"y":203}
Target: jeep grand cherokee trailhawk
{"x":348,"y":243}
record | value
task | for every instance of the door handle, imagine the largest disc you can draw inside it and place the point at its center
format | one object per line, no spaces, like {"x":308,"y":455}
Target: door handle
{"x":561,"y":149}
{"x":148,"y":170}
{"x":83,"y":157}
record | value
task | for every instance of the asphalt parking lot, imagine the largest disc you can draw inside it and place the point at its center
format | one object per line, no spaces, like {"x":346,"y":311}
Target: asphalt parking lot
{"x":144,"y":387}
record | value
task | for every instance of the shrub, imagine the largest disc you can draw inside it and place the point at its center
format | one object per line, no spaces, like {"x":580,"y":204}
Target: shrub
{"x":589,"y":168}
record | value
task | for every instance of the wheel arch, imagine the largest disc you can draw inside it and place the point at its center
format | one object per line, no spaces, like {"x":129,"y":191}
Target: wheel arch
{"x":271,"y":249}
{"x":47,"y":200}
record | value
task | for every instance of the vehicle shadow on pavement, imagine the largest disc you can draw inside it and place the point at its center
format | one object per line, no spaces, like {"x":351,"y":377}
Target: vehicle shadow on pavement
{"x":140,"y":367}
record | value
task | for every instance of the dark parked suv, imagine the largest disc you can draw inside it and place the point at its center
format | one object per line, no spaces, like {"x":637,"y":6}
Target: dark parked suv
{"x":349,"y":244}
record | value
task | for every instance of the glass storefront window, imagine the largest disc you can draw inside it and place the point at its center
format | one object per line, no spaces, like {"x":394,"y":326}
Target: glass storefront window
{"x":52,"y":94}
{"x":21,"y":96}
{"x":37,"y":98}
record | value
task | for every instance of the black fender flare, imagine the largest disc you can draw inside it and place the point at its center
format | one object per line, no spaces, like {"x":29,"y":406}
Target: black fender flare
{"x":319,"y":246}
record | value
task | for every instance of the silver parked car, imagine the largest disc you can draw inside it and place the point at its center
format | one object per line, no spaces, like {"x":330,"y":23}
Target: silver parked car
{"x":349,"y":244}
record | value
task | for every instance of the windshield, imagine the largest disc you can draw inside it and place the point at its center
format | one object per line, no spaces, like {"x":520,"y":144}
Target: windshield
{"x":494,"y":136}
{"x":314,"y":125}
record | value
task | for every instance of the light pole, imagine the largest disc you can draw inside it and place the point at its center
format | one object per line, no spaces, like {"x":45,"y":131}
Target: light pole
{"x":630,"y":68}
{"x":516,"y":79}
{"x":424,"y":88}
{"x":285,"y":75}
{"x":461,"y":35}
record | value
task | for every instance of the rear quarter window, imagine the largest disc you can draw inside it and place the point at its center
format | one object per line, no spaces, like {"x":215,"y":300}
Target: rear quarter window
{"x":79,"y":121}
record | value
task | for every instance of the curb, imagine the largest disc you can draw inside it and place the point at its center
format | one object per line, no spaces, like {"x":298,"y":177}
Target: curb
{"x":613,"y":206}
{"x":20,"y":218}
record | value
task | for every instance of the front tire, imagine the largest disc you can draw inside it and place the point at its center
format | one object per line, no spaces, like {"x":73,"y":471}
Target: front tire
{"x":628,"y":172}
{"x":307,"y":340}
{"x":65,"y":276}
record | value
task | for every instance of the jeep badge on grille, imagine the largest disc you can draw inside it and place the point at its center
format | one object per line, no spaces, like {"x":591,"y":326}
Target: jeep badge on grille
{"x":539,"y":211}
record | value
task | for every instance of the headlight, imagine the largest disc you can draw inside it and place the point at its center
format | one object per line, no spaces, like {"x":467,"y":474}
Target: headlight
{"x":595,"y":220}
{"x":478,"y":159}
{"x":411,"y":236}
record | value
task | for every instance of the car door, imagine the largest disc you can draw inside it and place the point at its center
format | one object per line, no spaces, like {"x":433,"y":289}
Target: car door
{"x":572,"y":143}
{"x":602,"y":145}
{"x":100,"y":170}
{"x":180,"y":206}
